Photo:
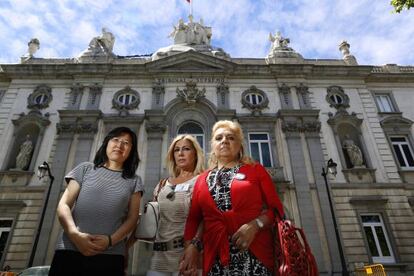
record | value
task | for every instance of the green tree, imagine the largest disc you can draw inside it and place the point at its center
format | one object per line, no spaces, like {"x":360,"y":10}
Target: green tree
{"x":399,"y":5}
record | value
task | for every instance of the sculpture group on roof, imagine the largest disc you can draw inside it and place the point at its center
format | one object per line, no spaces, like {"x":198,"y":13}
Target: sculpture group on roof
{"x":99,"y":47}
{"x":187,"y":36}
{"x":191,"y":33}
{"x":279,"y":42}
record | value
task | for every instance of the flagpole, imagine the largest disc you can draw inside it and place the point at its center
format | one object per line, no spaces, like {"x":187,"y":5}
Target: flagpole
{"x":191,"y":7}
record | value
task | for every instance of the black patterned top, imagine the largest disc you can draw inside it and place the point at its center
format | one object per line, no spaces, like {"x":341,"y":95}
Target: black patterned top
{"x":242,"y":263}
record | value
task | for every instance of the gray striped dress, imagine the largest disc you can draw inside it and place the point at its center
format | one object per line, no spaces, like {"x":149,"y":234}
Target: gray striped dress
{"x":102,"y":203}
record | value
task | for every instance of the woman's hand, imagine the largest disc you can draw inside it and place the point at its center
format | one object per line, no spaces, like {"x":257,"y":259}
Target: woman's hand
{"x":102,"y":241}
{"x":189,"y":261}
{"x":84,"y":242}
{"x":245,"y":235}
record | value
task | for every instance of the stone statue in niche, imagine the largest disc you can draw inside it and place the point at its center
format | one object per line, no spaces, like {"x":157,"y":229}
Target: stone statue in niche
{"x":353,"y":151}
{"x":25,"y":154}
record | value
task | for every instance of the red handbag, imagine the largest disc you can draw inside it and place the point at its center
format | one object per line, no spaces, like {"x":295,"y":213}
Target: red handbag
{"x":293,"y":254}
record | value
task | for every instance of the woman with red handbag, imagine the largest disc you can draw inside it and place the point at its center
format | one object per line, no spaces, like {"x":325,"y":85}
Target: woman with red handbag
{"x":230,"y":198}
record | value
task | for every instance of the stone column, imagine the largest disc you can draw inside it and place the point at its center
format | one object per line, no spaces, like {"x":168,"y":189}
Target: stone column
{"x":155,"y":132}
{"x":155,"y":127}
{"x":292,"y":126}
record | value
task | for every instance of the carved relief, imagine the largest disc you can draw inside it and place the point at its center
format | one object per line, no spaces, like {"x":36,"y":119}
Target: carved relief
{"x":157,"y":127}
{"x":77,"y":127}
{"x":66,"y":128}
{"x":291,"y":126}
{"x":191,"y":93}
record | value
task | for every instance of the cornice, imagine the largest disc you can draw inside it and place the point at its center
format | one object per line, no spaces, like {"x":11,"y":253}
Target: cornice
{"x":206,"y":65}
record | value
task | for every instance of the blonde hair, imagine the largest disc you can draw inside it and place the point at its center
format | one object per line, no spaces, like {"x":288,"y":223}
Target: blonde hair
{"x":236,"y":129}
{"x":172,"y":167}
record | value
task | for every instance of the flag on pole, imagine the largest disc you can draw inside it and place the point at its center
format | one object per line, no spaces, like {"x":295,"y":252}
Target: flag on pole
{"x":191,"y":6}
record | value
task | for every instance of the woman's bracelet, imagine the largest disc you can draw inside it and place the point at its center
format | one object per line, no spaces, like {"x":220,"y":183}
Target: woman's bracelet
{"x":109,"y":241}
{"x":197,"y":243}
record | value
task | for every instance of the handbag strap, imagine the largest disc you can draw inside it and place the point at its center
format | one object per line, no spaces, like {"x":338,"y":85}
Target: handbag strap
{"x":161,"y":184}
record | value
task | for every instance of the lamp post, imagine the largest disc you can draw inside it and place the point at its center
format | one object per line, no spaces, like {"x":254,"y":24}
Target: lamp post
{"x":42,"y":171}
{"x":331,"y":168}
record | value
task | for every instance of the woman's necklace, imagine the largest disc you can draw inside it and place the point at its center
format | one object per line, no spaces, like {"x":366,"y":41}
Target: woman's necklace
{"x":226,"y":174}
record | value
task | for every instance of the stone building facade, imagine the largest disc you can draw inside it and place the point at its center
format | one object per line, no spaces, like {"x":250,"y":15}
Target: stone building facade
{"x":296,"y":114}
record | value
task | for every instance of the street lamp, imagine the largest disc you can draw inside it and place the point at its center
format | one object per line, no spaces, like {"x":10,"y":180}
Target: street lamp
{"x":331,"y":169}
{"x":42,"y":171}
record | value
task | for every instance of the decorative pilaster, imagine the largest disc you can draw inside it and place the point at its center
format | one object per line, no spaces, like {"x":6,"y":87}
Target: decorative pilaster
{"x":285,"y":96}
{"x":158,"y":92}
{"x":155,"y":126}
{"x":303,"y":95}
{"x":94,"y":97}
{"x":222,"y":96}
{"x":76,"y":93}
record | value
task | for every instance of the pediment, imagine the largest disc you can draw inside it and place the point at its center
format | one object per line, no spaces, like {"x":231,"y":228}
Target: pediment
{"x":396,"y":121}
{"x":190,"y":62}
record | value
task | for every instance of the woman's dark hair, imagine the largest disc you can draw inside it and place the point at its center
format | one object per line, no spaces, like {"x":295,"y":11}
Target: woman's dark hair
{"x":131,"y":163}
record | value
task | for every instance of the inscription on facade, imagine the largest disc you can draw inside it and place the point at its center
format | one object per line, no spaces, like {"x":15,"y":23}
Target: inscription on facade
{"x":185,"y":80}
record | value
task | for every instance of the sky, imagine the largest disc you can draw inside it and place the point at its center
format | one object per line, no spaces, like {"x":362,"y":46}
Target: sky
{"x":315,"y":28}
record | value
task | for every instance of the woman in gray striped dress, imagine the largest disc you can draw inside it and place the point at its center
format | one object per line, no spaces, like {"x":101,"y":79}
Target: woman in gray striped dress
{"x":185,"y":160}
{"x":99,"y":208}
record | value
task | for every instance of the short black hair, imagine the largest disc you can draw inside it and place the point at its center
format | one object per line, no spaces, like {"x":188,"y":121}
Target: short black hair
{"x":131,"y":163}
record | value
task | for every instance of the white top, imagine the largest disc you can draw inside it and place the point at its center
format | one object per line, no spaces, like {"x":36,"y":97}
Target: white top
{"x":173,"y":215}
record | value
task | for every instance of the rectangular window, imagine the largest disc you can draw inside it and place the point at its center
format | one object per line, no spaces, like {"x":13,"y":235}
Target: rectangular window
{"x":200,"y":139}
{"x":5,"y":228}
{"x":403,"y":152}
{"x":384,"y":103}
{"x":259,"y":144}
{"x":377,"y":238}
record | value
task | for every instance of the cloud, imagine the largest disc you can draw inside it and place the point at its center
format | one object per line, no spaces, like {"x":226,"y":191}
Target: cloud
{"x":315,"y":28}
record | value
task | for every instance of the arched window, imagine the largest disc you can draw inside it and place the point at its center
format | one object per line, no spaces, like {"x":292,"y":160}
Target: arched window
{"x":194,"y":129}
